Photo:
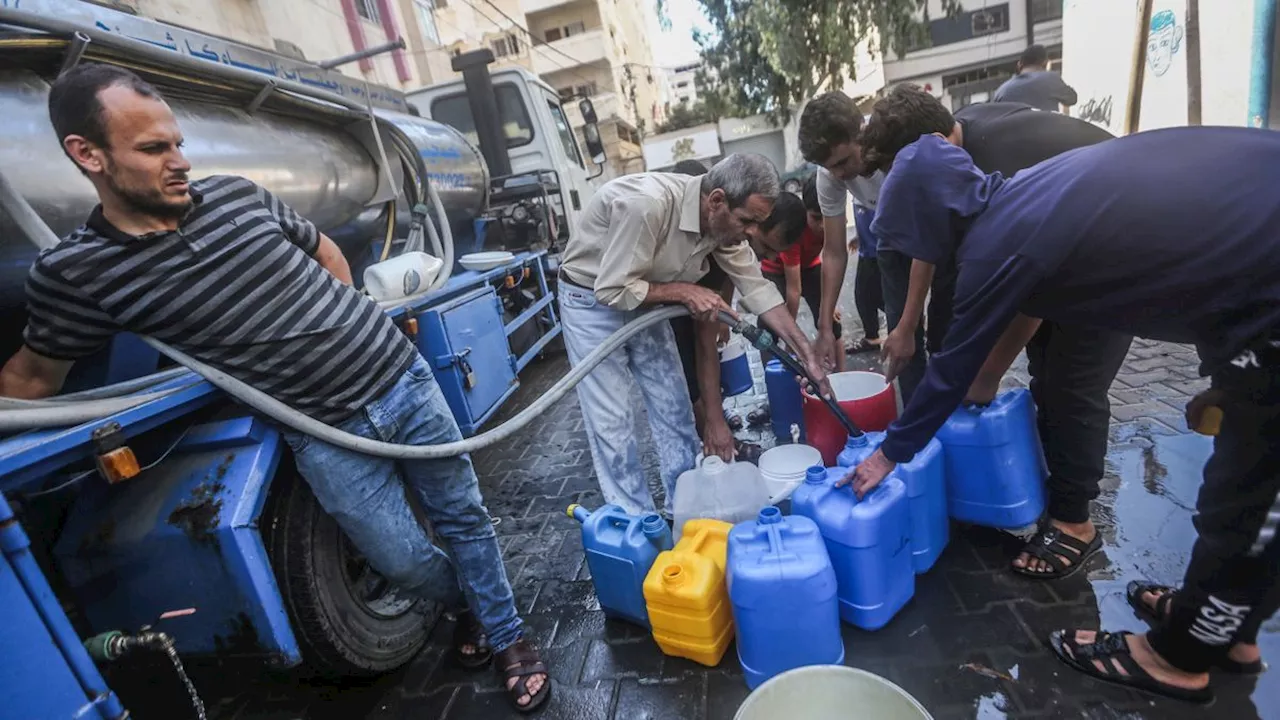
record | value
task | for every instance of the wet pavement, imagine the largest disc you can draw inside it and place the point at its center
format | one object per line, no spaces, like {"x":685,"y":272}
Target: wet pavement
{"x":971,"y":644}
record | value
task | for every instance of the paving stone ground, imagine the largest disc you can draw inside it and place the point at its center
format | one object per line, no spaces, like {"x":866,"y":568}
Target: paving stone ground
{"x":971,"y":644}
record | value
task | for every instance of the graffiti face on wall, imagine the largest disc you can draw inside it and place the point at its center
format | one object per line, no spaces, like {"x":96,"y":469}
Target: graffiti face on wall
{"x":1163,"y":41}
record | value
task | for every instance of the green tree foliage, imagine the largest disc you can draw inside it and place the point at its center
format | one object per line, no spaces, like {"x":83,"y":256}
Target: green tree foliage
{"x":770,"y":55}
{"x":682,"y":117}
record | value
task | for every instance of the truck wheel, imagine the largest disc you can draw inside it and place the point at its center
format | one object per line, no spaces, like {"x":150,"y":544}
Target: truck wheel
{"x":347,"y":618}
{"x":793,"y":186}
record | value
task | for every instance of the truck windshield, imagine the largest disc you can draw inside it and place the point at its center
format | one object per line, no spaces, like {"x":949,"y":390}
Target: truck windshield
{"x":455,"y":111}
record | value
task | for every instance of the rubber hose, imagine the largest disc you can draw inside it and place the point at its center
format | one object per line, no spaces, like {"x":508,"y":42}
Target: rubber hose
{"x":445,"y":237}
{"x":15,"y":420}
{"x":286,"y":415}
{"x":115,"y":390}
{"x":75,"y":413}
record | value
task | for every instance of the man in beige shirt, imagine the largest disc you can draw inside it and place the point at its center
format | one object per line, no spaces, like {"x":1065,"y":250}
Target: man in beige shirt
{"x":644,"y":240}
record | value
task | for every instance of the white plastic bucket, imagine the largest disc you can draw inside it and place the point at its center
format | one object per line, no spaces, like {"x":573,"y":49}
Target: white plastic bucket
{"x":830,"y":692}
{"x":856,"y":384}
{"x":783,"y":468}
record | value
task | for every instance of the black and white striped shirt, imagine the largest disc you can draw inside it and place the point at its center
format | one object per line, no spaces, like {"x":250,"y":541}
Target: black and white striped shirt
{"x":235,"y":287}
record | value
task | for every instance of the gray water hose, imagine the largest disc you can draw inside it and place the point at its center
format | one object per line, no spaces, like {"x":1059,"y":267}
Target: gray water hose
{"x":65,"y":414}
{"x":286,"y":415}
{"x":115,"y":390}
{"x":27,"y":415}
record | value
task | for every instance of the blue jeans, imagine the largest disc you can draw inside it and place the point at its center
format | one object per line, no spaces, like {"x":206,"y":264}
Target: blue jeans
{"x":368,"y":497}
{"x":649,"y":359}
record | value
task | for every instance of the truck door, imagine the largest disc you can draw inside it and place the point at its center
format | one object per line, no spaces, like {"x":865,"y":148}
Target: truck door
{"x":577,"y":185}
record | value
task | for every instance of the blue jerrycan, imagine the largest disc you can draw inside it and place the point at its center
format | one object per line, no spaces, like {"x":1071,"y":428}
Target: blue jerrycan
{"x":783,"y":591}
{"x":995,"y":465}
{"x":620,"y":550}
{"x":785,"y":408}
{"x":926,"y":480}
{"x":868,"y":541}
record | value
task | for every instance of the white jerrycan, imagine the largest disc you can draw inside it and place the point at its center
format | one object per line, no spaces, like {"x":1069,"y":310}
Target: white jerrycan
{"x":733,"y":492}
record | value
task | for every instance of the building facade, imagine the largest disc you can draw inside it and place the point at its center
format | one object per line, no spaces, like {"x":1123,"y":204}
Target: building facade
{"x":682,"y":85}
{"x":312,"y":30}
{"x":597,"y":49}
{"x":966,"y":57}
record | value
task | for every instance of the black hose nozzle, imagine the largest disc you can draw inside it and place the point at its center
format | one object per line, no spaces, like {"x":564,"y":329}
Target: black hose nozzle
{"x":764,"y":340}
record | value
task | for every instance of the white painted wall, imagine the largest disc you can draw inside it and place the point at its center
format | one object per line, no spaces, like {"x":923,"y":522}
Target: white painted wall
{"x":1100,"y":51}
{"x":317,"y":27}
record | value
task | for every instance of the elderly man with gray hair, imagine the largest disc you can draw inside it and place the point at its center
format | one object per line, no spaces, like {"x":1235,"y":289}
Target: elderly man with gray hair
{"x":645,"y":240}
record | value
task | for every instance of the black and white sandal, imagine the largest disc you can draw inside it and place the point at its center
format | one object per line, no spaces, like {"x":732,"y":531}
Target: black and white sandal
{"x":1063,"y":554}
{"x":1111,"y":651}
{"x":1156,"y":617}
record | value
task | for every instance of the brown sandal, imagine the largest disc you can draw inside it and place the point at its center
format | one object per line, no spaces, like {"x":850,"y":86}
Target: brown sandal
{"x":521,"y":661}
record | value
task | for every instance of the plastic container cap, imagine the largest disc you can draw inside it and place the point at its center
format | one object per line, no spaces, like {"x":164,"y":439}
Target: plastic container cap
{"x":713,"y":465}
{"x":770,"y":515}
{"x":815,"y":474}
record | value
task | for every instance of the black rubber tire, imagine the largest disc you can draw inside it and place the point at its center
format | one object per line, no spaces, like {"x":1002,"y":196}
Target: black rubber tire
{"x":793,"y":186}
{"x":339,"y":635}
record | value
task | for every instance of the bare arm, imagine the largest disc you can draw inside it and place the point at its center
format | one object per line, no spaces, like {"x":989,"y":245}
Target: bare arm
{"x":792,"y":296}
{"x":717,"y":438}
{"x":330,"y":257}
{"x":835,"y":260}
{"x":31,"y":376}
{"x":703,"y":304}
{"x":917,"y":293}
{"x":785,"y":327}
{"x":900,"y":345}
{"x":1015,"y":337}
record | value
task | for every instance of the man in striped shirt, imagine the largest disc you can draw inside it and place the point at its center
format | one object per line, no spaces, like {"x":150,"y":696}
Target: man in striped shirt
{"x":224,"y":271}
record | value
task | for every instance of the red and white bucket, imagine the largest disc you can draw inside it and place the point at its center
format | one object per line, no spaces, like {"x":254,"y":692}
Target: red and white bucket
{"x":864,"y":396}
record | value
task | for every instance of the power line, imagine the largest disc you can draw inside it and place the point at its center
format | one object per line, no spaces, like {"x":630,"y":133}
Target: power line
{"x":527,"y":31}
{"x":532,"y":45}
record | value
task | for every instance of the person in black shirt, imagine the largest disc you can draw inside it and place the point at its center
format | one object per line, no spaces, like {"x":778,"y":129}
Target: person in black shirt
{"x":1036,"y":85}
{"x":1071,"y":366}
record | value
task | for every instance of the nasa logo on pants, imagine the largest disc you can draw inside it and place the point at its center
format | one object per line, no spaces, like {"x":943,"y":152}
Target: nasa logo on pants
{"x":412,"y":281}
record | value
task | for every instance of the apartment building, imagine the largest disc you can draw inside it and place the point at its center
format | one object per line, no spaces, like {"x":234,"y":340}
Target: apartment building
{"x":313,"y":30}
{"x":682,"y":85}
{"x":965,"y":58}
{"x":582,"y":48}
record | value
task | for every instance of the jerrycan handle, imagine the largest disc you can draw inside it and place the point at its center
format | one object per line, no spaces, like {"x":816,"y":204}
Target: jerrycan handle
{"x":770,"y":519}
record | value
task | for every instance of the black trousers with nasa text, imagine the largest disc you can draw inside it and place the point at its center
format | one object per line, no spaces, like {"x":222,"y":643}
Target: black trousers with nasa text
{"x":1232,"y":584}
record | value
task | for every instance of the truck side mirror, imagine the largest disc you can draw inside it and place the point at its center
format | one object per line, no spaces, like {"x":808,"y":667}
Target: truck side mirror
{"x":588,"y":111}
{"x":595,"y":145}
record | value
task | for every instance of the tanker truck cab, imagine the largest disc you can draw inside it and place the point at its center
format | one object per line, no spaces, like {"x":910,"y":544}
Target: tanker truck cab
{"x":531,"y":151}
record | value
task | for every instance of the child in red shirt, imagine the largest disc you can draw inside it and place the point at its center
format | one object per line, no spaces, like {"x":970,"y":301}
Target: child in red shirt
{"x":791,"y":248}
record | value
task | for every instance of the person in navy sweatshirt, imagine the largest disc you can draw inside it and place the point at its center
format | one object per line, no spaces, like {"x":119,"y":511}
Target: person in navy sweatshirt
{"x":1072,"y":367}
{"x":1114,"y":235}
